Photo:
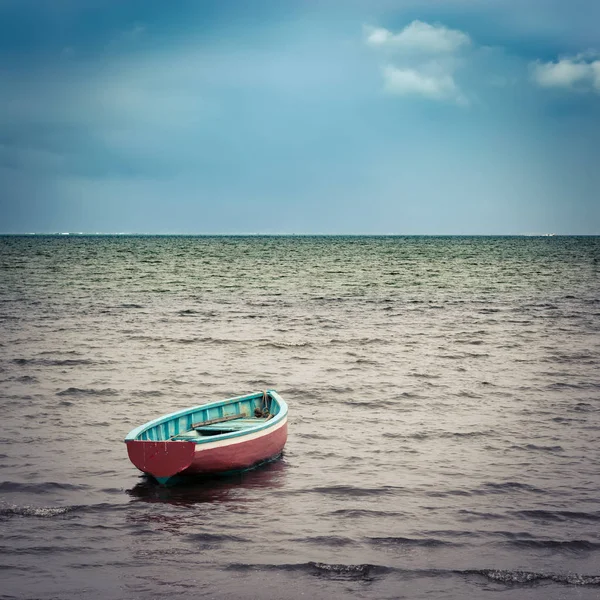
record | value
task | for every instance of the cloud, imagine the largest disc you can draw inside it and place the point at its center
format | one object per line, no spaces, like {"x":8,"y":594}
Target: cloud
{"x":596,"y":70}
{"x":425,"y":60}
{"x":407,"y":82}
{"x":419,"y":37}
{"x":576,"y":73}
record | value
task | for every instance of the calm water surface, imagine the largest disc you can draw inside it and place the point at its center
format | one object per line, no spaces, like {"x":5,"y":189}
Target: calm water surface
{"x":444,"y":402}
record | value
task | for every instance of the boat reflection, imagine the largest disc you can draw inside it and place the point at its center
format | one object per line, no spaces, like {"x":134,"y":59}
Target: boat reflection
{"x":224,"y":488}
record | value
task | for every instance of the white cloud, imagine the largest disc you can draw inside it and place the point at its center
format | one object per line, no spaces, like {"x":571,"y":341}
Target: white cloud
{"x":425,"y":60}
{"x":596,"y":72}
{"x":410,"y":82}
{"x":577,"y":73}
{"x":564,"y":73}
{"x":418,"y":37}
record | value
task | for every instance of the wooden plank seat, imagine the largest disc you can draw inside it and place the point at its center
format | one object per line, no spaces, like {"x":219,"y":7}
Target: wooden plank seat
{"x":236,"y":425}
{"x":213,"y":428}
{"x":186,"y":435}
{"x":222,"y":419}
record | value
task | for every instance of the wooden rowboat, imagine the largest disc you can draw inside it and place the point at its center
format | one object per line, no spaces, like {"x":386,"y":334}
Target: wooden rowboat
{"x":221,"y":437}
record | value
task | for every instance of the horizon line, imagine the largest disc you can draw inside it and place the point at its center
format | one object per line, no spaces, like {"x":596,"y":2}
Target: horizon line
{"x":265,"y":234}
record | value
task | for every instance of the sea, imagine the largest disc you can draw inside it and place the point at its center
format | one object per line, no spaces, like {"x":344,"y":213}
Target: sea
{"x":444,"y":416}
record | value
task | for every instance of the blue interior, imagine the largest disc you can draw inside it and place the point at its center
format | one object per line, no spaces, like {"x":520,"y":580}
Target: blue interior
{"x":187,"y":425}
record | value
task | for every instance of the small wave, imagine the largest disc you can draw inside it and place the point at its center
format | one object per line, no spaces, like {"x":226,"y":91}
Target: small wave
{"x":176,"y":381}
{"x":436,"y":435}
{"x":414,"y":542}
{"x":584,"y":407}
{"x":311,"y":436}
{"x":44,"y":487}
{"x":370,"y":404}
{"x":36,"y":511}
{"x":363,"y":512}
{"x":524,"y":577}
{"x":204,"y":340}
{"x":368,"y":572}
{"x":73,"y":391}
{"x":215,"y":538}
{"x":42,"y":551}
{"x":474,"y":514}
{"x":342,"y":572}
{"x":584,"y":385}
{"x":585,"y":516}
{"x":364,"y":572}
{"x":419,"y":436}
{"x":305,"y":393}
{"x":572,"y":545}
{"x":558,"y":515}
{"x":464,"y":355}
{"x":338,"y":389}
{"x":466,"y":394}
{"x":283,"y":346}
{"x":259,"y":384}
{"x":329,"y":299}
{"x":54,"y":362}
{"x":579,"y":357}
{"x":466,"y":434}
{"x":508,"y":486}
{"x":357,"y":342}
{"x":349,"y":490}
{"x":544,"y":448}
{"x":365,"y":361}
{"x":449,"y":493}
{"x":410,"y":395}
{"x":319,"y":455}
{"x":326,"y":540}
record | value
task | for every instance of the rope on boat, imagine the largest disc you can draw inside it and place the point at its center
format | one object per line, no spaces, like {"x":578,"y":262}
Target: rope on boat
{"x":264,"y":411}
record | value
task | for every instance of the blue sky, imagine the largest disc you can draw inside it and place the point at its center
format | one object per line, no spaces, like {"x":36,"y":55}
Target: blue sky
{"x":331,"y":116}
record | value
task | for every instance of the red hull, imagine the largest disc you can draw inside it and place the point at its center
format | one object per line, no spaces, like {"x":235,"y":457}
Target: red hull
{"x":167,"y":459}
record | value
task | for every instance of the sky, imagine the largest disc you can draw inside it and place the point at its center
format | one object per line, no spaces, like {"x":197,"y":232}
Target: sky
{"x":418,"y":117}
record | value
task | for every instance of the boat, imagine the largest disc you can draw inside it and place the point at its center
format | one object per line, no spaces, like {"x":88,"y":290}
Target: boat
{"x":221,"y":437}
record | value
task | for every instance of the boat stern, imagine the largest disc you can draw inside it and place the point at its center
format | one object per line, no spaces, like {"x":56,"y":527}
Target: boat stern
{"x":161,"y":459}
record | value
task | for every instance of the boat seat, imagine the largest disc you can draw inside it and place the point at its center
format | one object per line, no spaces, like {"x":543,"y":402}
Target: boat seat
{"x":187,"y":435}
{"x":236,"y":425}
{"x":228,"y":427}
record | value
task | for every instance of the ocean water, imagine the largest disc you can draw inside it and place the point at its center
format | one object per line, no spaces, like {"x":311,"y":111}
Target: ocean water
{"x":444,"y":400}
